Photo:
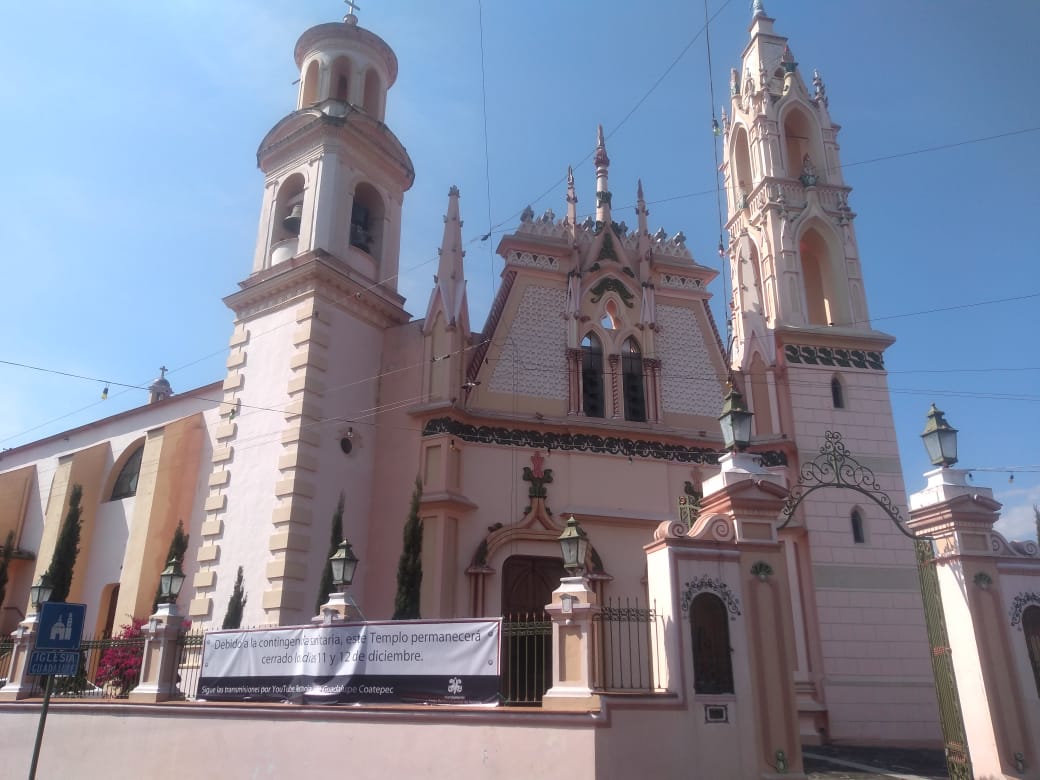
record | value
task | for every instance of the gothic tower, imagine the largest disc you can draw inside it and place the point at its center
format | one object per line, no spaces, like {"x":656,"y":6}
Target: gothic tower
{"x":811,"y":363}
{"x":310,"y":322}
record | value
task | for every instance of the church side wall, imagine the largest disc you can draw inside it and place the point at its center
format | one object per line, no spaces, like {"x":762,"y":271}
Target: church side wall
{"x":873,"y":656}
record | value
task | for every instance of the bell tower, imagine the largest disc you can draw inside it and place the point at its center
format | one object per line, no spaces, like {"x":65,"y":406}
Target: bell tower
{"x":811,"y":363}
{"x":310,"y":324}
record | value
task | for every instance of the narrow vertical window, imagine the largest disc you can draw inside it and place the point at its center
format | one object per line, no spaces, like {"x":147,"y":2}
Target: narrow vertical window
{"x":632,"y":381}
{"x":837,"y":394}
{"x":712,"y":665}
{"x":1031,"y":628}
{"x":857,"y":527}
{"x":592,"y":376}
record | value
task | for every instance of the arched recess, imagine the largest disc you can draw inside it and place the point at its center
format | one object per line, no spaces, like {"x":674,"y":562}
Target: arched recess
{"x":592,"y":386}
{"x":106,"y":618}
{"x":287,"y":218}
{"x":122,"y":479}
{"x":741,"y":181}
{"x":366,"y":220}
{"x":821,"y":257}
{"x":373,"y":97}
{"x":801,"y":138}
{"x":339,"y":79}
{"x":309,"y":88}
{"x":758,"y":382}
{"x":1031,"y":629}
{"x":709,"y":630}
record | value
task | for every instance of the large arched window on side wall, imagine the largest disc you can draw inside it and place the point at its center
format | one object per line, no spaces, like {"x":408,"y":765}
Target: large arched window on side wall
{"x":632,"y":381}
{"x":592,"y":376}
{"x":1031,"y":629}
{"x":709,"y":626}
{"x":126,"y":482}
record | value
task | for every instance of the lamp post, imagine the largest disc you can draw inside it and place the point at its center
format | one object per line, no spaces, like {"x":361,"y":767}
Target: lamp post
{"x":158,"y":678}
{"x":574,"y":545}
{"x":340,"y":605}
{"x":940,"y":439}
{"x":170,"y":581}
{"x":344,"y":564}
{"x":40,"y":593}
{"x":735,"y":420}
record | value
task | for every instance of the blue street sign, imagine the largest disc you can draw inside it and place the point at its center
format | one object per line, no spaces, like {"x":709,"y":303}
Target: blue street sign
{"x":60,"y":626}
{"x":63,"y":663}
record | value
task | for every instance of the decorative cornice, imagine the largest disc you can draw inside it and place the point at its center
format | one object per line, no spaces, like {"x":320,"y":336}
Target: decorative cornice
{"x":323,"y":274}
{"x":581,"y":442}
{"x":834,"y":357}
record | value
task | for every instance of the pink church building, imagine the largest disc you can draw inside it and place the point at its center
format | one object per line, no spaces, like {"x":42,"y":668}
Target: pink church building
{"x":593,"y":390}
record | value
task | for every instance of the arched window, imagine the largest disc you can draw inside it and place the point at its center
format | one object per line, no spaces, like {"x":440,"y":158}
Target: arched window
{"x":610,"y":319}
{"x":856,"y":518}
{"x":632,"y":381}
{"x":366,"y":220}
{"x":592,"y":376}
{"x":740,"y":169}
{"x":1031,"y":628}
{"x":339,"y":83}
{"x":712,"y":665}
{"x":372,"y":94}
{"x":309,"y":91}
{"x":126,"y":483}
{"x":799,"y":141}
{"x":837,"y":394}
{"x":823,"y":305}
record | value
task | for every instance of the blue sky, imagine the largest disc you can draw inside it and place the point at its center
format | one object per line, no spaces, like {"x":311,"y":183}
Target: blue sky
{"x":131,"y":194}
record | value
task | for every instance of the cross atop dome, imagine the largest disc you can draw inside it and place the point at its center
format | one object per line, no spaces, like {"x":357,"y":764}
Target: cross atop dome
{"x":352,"y":9}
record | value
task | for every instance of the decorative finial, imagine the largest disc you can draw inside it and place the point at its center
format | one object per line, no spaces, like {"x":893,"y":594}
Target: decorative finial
{"x":453,"y":191}
{"x":601,"y":160}
{"x":757,"y":9}
{"x":351,"y":17}
{"x":639,"y":189}
{"x":572,"y":197}
{"x":819,"y":88}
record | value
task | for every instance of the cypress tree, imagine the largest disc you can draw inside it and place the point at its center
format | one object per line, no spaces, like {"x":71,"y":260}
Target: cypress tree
{"x":336,"y":536}
{"x":5,"y":561}
{"x":66,"y":549}
{"x":409,"y":567}
{"x":236,"y":604}
{"x":178,"y":546}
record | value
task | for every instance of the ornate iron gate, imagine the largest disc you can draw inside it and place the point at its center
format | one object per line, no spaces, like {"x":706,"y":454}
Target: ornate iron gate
{"x":835,"y":467}
{"x":958,"y":761}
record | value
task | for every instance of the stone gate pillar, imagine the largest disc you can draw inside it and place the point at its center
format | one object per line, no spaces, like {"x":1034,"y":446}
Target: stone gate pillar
{"x":984,"y":583}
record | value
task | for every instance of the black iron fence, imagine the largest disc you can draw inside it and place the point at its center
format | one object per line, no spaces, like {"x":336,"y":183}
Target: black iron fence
{"x":108,"y":669}
{"x":6,"y":645}
{"x":625,"y":632}
{"x":526,"y":666}
{"x":189,"y":662}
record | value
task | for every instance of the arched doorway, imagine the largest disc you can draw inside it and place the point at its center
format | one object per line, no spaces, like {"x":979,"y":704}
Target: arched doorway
{"x":527,"y":585}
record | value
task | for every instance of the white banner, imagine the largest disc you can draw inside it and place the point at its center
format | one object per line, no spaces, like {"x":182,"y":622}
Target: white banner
{"x":447,"y":661}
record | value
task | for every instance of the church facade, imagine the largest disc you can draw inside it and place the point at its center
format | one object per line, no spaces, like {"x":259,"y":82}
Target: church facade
{"x":593,"y":390}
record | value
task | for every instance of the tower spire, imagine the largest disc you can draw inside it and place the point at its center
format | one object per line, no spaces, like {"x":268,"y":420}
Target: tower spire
{"x":602,"y":163}
{"x":451,"y":281}
{"x":641,"y":212}
{"x":572,"y":199}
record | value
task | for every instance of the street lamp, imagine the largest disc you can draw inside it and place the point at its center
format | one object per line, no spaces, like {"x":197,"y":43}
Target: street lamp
{"x":170,"y":581}
{"x":574,"y":544}
{"x":940,"y":439}
{"x":735,"y":420}
{"x":40,"y":593}
{"x":344,"y":564}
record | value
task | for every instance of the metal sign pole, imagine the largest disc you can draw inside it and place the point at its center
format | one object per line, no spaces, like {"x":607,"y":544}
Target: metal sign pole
{"x":39,"y":729}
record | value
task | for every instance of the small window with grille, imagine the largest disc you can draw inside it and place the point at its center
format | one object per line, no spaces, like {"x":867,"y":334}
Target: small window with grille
{"x":592,"y":376}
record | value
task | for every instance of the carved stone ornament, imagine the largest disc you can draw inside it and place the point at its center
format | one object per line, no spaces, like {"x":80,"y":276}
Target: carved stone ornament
{"x":716,"y":586}
{"x":1018,"y":606}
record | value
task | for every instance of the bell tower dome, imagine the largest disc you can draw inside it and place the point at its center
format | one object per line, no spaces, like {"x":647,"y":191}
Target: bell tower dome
{"x":335,"y":173}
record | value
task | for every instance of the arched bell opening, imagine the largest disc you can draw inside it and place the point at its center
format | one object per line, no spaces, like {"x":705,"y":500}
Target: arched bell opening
{"x":288,"y":219}
{"x":339,"y":79}
{"x":373,"y":97}
{"x":309,"y":86}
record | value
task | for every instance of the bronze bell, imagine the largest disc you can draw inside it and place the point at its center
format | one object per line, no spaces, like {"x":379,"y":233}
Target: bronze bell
{"x":292,"y":219}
